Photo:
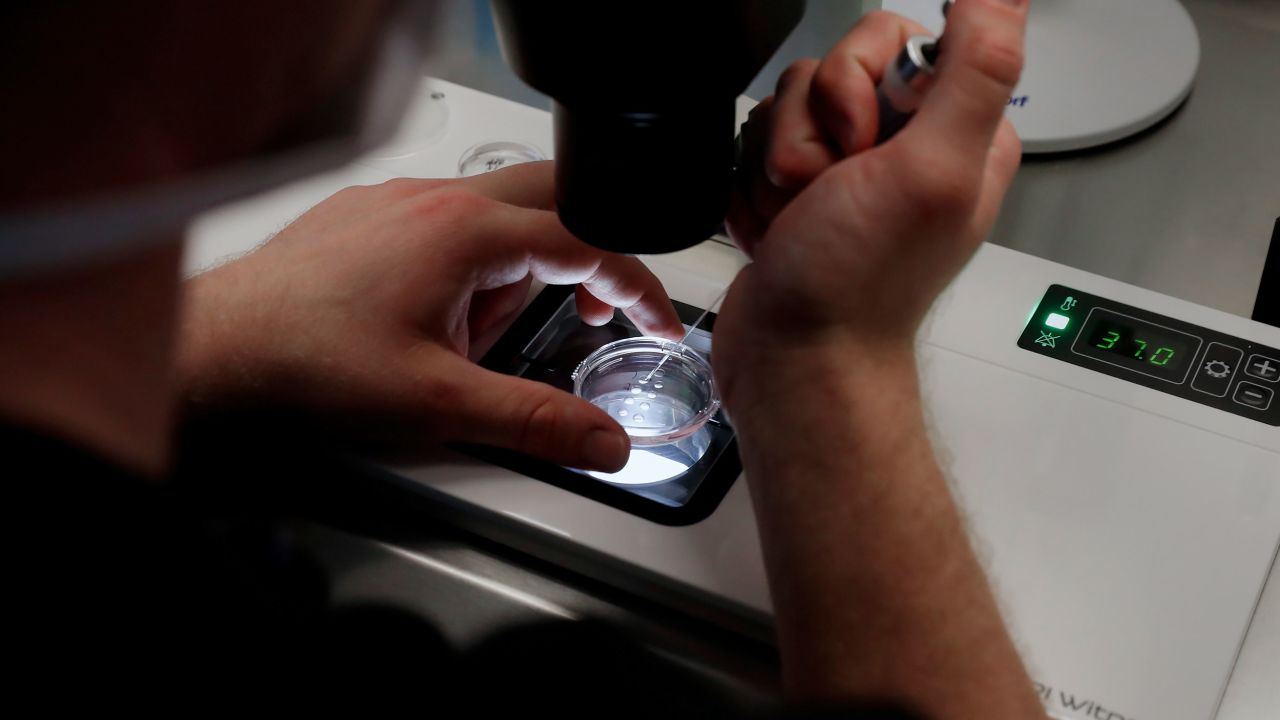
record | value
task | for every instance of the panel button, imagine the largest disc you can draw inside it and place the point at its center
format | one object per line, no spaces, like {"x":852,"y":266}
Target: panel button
{"x":1263,"y":368}
{"x":1216,"y":369}
{"x":1254,"y":396}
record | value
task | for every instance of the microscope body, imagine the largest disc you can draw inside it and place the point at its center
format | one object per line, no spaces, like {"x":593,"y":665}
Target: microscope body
{"x":644,"y":107}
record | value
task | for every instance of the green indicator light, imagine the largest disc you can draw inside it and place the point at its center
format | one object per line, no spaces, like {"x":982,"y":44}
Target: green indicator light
{"x":1057,"y":321}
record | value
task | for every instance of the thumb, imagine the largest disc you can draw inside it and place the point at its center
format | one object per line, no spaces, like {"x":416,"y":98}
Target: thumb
{"x":979,"y":65}
{"x":533,"y":418}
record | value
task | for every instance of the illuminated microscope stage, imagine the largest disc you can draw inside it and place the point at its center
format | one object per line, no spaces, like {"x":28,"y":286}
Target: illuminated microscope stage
{"x":1115,"y":450}
{"x":674,"y":483}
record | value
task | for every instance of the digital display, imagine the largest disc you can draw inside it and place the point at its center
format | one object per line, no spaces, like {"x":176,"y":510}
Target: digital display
{"x":1137,"y":345}
{"x":1158,"y":352}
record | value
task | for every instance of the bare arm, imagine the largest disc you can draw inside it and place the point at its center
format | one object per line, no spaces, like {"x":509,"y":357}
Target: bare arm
{"x":876,"y":588}
{"x":877,"y":591}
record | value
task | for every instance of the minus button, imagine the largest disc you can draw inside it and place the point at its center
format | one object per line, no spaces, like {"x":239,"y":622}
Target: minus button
{"x":1254,"y":396}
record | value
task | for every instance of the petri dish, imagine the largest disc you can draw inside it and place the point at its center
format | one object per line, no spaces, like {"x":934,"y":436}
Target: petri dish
{"x":660,"y":391}
{"x":490,"y":156}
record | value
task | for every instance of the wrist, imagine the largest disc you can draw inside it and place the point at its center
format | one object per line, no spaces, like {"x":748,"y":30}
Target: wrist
{"x":211,"y":356}
{"x":832,"y":379}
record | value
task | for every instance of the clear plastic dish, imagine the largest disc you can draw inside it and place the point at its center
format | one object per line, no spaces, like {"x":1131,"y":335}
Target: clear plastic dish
{"x":656,"y":401}
{"x":487,"y":157}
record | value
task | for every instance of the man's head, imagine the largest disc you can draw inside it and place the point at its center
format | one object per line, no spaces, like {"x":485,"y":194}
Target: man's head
{"x":116,"y":99}
{"x":122,"y":120}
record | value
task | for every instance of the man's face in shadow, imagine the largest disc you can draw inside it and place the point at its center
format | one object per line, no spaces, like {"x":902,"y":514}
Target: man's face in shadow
{"x":106,"y":96}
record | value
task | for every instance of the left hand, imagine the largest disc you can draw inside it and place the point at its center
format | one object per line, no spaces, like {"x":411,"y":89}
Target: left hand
{"x":355,"y":322}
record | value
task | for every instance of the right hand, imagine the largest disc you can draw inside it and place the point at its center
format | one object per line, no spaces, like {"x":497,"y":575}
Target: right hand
{"x":871,"y":574}
{"x":857,"y":243}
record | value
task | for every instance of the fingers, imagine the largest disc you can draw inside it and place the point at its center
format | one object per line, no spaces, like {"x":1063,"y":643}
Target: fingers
{"x":492,"y":310}
{"x":1002,"y":164}
{"x":625,"y":283}
{"x":592,"y":309}
{"x":745,"y":222}
{"x":796,"y":147}
{"x":978,"y":67}
{"x":843,"y":98}
{"x":832,"y":103}
{"x":822,"y":112}
{"x":495,"y":243}
{"x":783,"y":149}
{"x":527,"y":185}
{"x":512,"y":242}
{"x":532,"y":418}
{"x":1006,"y":152}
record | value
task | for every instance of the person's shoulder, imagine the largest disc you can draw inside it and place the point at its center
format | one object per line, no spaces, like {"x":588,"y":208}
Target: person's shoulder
{"x":66,"y":499}
{"x":47,"y":463}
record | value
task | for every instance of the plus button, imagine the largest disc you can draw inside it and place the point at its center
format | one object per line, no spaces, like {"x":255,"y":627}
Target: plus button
{"x":1264,"y":368}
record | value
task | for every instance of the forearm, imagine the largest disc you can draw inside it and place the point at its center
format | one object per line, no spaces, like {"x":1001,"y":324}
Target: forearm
{"x":877,"y":590}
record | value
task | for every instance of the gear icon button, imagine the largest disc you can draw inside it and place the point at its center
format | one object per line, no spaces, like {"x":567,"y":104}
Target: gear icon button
{"x":1217,"y":369}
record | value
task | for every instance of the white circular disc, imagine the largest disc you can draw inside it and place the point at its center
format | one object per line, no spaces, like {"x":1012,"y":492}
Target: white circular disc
{"x":1096,"y":70}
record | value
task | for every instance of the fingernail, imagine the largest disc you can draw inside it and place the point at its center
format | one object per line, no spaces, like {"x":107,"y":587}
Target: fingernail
{"x":605,"y":449}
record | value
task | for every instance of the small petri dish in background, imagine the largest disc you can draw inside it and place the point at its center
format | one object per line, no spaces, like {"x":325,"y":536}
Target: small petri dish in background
{"x":660,"y":391}
{"x":490,"y":156}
